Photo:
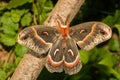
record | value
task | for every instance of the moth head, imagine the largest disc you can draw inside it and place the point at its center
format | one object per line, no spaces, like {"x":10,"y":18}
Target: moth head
{"x":63,"y":27}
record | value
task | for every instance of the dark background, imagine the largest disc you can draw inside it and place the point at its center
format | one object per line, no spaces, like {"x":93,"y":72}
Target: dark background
{"x":100,"y":63}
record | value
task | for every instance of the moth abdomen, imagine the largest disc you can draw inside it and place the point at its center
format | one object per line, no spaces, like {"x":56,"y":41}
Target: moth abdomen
{"x":60,"y":44}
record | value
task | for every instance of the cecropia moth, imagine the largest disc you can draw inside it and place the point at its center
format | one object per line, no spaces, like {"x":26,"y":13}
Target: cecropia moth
{"x":61,"y":43}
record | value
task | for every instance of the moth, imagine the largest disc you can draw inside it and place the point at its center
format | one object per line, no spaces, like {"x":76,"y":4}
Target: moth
{"x":61,"y":43}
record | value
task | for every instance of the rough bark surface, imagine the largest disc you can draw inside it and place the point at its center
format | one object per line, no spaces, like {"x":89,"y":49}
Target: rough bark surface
{"x":30,"y":66}
{"x":64,"y":8}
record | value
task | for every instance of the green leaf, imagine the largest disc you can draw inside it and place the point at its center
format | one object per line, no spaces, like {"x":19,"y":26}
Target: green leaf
{"x":106,"y":58}
{"x":108,"y":71}
{"x":43,"y":17}
{"x":114,"y":44}
{"x":17,"y":60}
{"x":2,"y":75}
{"x":16,"y":3}
{"x":116,"y":17}
{"x":112,"y":20}
{"x":10,"y":28}
{"x":44,"y":8}
{"x":108,"y":20}
{"x":94,"y":55}
{"x":115,"y":73}
{"x":20,"y":50}
{"x":118,"y":28}
{"x":8,"y":67}
{"x":13,"y":16}
{"x":25,"y":21}
{"x":84,"y":56}
{"x":16,"y":15}
{"x":8,"y":40}
{"x":48,"y":6}
{"x":5,"y":18}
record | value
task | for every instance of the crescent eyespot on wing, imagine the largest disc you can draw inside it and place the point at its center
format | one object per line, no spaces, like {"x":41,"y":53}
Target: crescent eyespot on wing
{"x":72,"y":61}
{"x":89,"y":34}
{"x":38,"y":38}
{"x":55,"y":57}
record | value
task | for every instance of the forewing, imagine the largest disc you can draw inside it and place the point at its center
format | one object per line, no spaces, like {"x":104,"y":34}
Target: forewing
{"x":89,"y":34}
{"x":38,"y":38}
{"x":72,"y":62}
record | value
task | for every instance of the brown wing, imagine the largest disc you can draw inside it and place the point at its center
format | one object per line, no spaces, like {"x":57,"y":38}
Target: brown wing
{"x":55,"y":57}
{"x":38,"y":38}
{"x":72,"y":61}
{"x":89,"y":34}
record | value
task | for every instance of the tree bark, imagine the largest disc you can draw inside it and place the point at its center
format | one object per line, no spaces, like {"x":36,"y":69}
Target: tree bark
{"x":30,"y":66}
{"x":64,"y":8}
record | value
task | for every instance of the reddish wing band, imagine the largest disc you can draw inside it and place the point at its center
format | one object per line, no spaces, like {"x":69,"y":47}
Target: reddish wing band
{"x":38,"y":38}
{"x":55,"y":57}
{"x":61,"y":45}
{"x":72,"y":62}
{"x":89,"y":34}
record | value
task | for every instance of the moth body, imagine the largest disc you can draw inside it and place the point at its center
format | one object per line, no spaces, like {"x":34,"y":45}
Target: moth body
{"x":61,"y":43}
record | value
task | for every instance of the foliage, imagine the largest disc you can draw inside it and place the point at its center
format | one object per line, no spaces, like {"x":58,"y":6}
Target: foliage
{"x":15,"y":15}
{"x":100,"y":63}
